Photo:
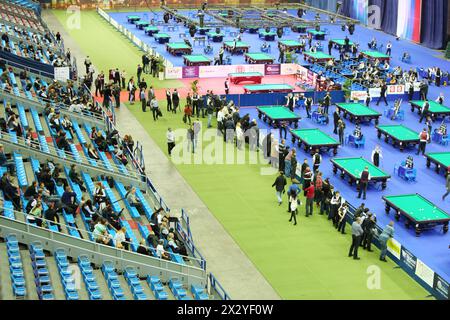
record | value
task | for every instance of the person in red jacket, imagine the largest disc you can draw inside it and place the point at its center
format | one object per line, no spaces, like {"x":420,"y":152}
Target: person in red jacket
{"x":309,"y":193}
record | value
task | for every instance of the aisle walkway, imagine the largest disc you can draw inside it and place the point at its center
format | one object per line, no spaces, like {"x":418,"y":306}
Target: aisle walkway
{"x":225,"y":259}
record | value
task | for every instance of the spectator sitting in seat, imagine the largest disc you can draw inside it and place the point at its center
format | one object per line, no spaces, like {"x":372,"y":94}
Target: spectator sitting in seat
{"x":88,"y":209}
{"x":99,"y":193}
{"x":176,"y":246}
{"x":92,"y":153}
{"x":75,"y":177}
{"x":409,"y":163}
{"x":61,"y":141}
{"x":5,"y":162}
{"x":60,"y":181}
{"x":121,"y":156}
{"x":51,"y":215}
{"x":160,"y":252}
{"x":31,"y":191}
{"x":10,"y":191}
{"x":357,"y":133}
{"x":134,"y":201}
{"x":120,"y":240}
{"x":101,"y":234}
{"x":14,"y":125}
{"x":30,"y":141}
{"x":67,"y":124}
{"x":142,"y":249}
{"x":68,"y":200}
{"x":100,"y":141}
{"x":107,"y":212}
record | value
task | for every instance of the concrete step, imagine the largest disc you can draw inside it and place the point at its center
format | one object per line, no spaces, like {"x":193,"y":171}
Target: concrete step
{"x":102,"y":285}
{"x":29,"y":275}
{"x":6,"y":292}
{"x":55,"y":278}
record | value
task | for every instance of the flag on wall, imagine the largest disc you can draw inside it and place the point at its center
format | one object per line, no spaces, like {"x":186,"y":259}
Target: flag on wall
{"x":409,"y":19}
{"x":360,"y":10}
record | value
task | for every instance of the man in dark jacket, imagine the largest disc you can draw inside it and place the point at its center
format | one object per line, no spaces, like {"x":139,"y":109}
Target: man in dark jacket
{"x":336,"y":118}
{"x":279,"y":184}
{"x":368,"y":224}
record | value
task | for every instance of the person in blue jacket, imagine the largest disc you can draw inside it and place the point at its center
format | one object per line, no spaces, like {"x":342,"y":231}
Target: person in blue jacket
{"x":388,"y":233}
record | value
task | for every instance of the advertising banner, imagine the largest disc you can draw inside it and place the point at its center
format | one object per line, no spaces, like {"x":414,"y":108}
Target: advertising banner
{"x":191,"y":72}
{"x":272,"y":69}
{"x":289,"y":68}
{"x":441,"y":286}
{"x":409,"y":259}
{"x":396,"y":89}
{"x":425,"y":273}
{"x":358,"y":95}
{"x":223,"y":71}
{"x":62,"y":73}
{"x":173,"y":73}
{"x":394,"y":247}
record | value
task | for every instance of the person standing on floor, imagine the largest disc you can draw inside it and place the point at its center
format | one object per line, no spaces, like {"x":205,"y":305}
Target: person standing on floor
{"x":327,"y":102}
{"x":175,"y":100}
{"x":369,"y":228}
{"x":389,"y":48}
{"x":170,"y":140}
{"x":342,"y":218}
{"x":227,"y":86}
{"x":364,"y":179}
{"x":317,"y":160}
{"x":357,"y":232}
{"x":281,"y":154}
{"x":383,"y":94}
{"x":423,"y":140}
{"x":154,"y":107}
{"x":335,"y":203}
{"x":376,"y":156}
{"x":336,"y":118}
{"x":143,"y":99}
{"x":139,"y":73}
{"x":169,"y":99}
{"x":309,"y":191}
{"x":293,"y":204}
{"x":279,"y":184}
{"x":368,"y":98}
{"x":383,"y":239}
{"x":341,"y":131}
{"x":447,"y":184}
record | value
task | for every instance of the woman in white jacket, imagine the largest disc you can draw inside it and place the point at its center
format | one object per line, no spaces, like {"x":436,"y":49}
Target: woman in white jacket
{"x":239,"y":136}
{"x":293,"y":204}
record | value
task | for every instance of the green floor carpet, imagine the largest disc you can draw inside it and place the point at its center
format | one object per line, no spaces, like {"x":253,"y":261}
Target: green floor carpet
{"x":307,"y":261}
{"x":106,"y":47}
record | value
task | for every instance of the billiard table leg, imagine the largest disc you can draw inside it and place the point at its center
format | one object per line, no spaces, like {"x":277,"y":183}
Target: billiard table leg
{"x":259,"y":115}
{"x":437,"y":169}
{"x":418,"y":231}
{"x":335,"y":150}
{"x":446,"y":227}
{"x":428,"y":162}
{"x":379,"y":134}
{"x":296,"y":124}
{"x":293,"y":140}
{"x":383,"y":185}
{"x":334,"y":169}
{"x":397,"y":216}
{"x":377,"y":121}
{"x":387,"y":208}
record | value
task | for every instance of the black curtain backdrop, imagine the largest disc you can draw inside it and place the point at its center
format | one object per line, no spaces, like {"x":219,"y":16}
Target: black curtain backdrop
{"x":389,"y":23}
{"x":434,"y":17}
